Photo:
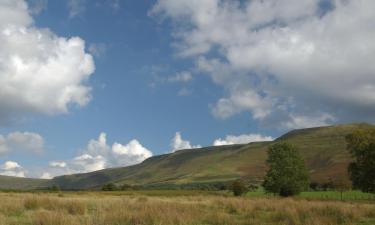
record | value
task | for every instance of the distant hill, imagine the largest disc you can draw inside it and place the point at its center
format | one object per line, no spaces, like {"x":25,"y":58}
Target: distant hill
{"x":19,"y":183}
{"x":323,"y":148}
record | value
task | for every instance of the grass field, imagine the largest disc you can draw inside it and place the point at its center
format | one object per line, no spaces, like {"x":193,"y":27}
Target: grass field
{"x":324,"y":195}
{"x":177,"y":207}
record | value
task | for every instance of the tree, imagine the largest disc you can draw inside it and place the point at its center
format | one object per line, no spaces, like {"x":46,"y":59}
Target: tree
{"x":287,"y":174}
{"x":361,"y":146}
{"x":239,"y":188}
{"x":109,"y":187}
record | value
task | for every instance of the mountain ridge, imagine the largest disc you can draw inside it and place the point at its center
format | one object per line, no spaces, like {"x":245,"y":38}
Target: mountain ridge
{"x":323,"y":148}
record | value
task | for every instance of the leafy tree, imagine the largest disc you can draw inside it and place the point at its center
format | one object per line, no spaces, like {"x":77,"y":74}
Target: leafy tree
{"x":287,"y":174}
{"x":361,"y":145}
{"x":239,"y":188}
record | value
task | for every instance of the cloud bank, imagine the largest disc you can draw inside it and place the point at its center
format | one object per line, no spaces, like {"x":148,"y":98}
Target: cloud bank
{"x":11,"y":168}
{"x":99,"y":155}
{"x":289,"y":63}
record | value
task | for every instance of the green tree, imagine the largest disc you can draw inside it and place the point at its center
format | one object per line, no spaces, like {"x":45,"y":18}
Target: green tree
{"x":361,"y":145}
{"x":239,"y":188}
{"x":287,"y":174}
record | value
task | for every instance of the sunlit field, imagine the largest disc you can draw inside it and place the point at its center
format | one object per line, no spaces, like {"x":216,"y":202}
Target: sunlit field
{"x":178,"y":207}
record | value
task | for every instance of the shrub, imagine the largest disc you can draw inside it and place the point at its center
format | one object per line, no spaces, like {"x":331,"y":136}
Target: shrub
{"x":109,"y":187}
{"x":239,"y":188}
{"x":314,"y":186}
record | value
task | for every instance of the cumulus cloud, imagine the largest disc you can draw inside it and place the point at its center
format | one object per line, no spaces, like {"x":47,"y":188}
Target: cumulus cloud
{"x":11,"y":168}
{"x":241,"y":139}
{"x":287,"y":62}
{"x":99,"y":155}
{"x":178,"y":143}
{"x":40,"y":72}
{"x":18,"y":141}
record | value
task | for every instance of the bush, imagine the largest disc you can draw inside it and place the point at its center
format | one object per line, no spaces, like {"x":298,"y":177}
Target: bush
{"x":239,"y":188}
{"x":54,"y":188}
{"x":109,"y":187}
{"x":314,"y":186}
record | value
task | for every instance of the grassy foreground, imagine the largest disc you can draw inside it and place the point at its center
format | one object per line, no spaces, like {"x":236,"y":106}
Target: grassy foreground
{"x":90,"y":208}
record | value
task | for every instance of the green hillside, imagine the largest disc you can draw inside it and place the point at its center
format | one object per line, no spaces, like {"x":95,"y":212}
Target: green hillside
{"x":19,"y":183}
{"x":323,"y":148}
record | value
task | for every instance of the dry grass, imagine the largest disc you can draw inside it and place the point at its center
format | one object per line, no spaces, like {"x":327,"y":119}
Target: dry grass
{"x":98,"y":209}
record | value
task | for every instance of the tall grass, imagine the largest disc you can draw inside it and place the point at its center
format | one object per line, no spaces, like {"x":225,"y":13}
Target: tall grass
{"x":99,"y":209}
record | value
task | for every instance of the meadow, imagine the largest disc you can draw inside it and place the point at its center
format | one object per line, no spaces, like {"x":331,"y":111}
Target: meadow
{"x":179,"y":207}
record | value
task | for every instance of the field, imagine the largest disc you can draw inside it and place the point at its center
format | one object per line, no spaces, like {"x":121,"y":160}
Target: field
{"x":179,"y":207}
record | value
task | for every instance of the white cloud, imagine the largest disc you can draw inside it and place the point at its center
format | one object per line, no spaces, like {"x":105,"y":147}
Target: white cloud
{"x":288,"y":62}
{"x":46,"y":175}
{"x":11,"y":168}
{"x":60,"y":164}
{"x":40,"y":72}
{"x":99,"y":155}
{"x":305,"y":122}
{"x":17,"y":141}
{"x":242,"y":139}
{"x":183,"y":76}
{"x":178,"y":143}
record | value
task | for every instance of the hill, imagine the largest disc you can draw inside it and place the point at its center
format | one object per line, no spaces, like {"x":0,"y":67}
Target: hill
{"x":19,"y":183}
{"x":323,"y":148}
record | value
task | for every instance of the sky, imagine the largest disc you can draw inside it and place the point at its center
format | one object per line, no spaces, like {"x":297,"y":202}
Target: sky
{"x":87,"y":85}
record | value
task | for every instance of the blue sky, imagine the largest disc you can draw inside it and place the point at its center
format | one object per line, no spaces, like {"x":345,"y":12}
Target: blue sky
{"x":173,"y":74}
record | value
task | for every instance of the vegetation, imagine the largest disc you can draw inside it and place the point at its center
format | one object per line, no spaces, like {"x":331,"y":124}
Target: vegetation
{"x":239,"y":188}
{"x":361,"y":145}
{"x":111,"y":208}
{"x":287,"y":174}
{"x":110,"y":187}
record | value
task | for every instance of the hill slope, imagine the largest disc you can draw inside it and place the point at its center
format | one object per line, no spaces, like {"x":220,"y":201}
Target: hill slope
{"x":19,"y":183}
{"x":323,"y":148}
